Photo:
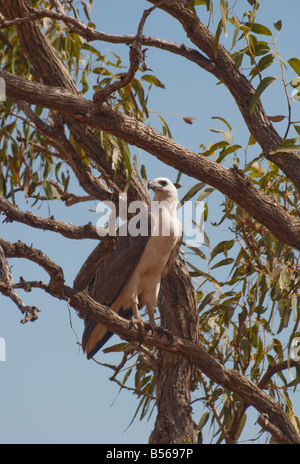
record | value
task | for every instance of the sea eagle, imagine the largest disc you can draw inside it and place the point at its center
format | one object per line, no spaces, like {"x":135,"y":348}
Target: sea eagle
{"x":131,"y":275}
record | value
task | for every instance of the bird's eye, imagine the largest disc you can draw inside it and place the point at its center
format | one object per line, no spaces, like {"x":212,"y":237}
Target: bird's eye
{"x":163,"y":183}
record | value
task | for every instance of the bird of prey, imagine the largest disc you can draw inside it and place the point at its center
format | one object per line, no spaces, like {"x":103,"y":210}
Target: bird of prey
{"x":130,"y":277}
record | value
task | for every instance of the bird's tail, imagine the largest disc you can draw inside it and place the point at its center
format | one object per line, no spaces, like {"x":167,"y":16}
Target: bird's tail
{"x":95,"y":335}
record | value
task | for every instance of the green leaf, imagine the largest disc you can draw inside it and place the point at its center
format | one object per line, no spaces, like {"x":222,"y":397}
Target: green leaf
{"x":203,"y":2}
{"x":223,"y":262}
{"x":295,"y":83}
{"x":153,"y":80}
{"x":265,"y":61}
{"x":286,"y":149}
{"x":223,"y":120}
{"x":55,"y":192}
{"x":227,"y":151}
{"x":261,"y":87}
{"x":211,"y":296}
{"x":295,"y":64}
{"x":224,"y":12}
{"x":217,"y":37}
{"x":254,"y":11}
{"x":214,"y":147}
{"x":192,"y":192}
{"x":222,"y":247}
{"x":278,"y":25}
{"x":143,"y":172}
{"x":260,"y":29}
{"x":116,"y":348}
{"x":205,"y":193}
{"x":202,"y":422}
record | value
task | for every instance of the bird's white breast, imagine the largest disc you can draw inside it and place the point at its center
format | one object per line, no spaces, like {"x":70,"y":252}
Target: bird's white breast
{"x":145,"y":280}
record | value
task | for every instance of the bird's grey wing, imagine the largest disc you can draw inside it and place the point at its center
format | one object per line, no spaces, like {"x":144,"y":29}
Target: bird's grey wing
{"x":114,"y":272}
{"x":110,"y":278}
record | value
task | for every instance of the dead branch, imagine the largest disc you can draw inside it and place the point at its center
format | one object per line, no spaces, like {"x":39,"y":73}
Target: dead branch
{"x":21,"y":250}
{"x":6,"y":288}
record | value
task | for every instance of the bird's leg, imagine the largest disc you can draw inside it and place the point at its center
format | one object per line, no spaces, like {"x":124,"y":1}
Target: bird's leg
{"x":137,"y":321}
{"x":151,"y":317}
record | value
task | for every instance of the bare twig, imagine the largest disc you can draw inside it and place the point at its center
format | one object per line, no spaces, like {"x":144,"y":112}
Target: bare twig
{"x":274,"y":369}
{"x":90,"y":34}
{"x":58,"y":6}
{"x":6,"y":288}
{"x":136,"y":57}
{"x":21,"y":250}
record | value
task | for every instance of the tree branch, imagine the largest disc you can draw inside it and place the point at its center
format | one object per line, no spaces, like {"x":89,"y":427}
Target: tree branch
{"x":48,"y":68}
{"x":229,"y":379}
{"x":232,"y":182}
{"x":6,"y":288}
{"x":55,"y":134}
{"x":136,"y":56}
{"x":21,"y":250}
{"x":239,"y":86}
{"x":90,"y":34}
{"x":276,"y":432}
{"x":273,"y":369}
{"x":191,"y":351}
{"x":13,"y":213}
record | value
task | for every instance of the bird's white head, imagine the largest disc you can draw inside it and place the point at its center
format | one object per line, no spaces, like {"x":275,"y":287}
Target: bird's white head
{"x":163,"y":189}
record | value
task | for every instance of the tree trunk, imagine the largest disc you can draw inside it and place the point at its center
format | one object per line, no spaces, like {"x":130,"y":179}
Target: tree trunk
{"x":174,"y":423}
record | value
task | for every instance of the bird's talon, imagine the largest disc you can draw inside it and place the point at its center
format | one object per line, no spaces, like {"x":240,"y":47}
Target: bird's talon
{"x":148,"y":327}
{"x":162,"y":331}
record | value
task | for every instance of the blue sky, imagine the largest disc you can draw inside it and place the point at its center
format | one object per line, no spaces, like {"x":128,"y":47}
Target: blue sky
{"x":49,"y":392}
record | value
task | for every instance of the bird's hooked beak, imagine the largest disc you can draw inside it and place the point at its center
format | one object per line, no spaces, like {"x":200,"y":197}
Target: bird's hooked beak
{"x":154,"y":185}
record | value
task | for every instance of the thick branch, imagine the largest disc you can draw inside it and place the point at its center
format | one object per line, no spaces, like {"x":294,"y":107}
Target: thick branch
{"x":276,"y":432}
{"x":48,"y":68}
{"x":13,"y":213}
{"x":241,"y":89}
{"x":229,"y":379}
{"x":231,"y":182}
